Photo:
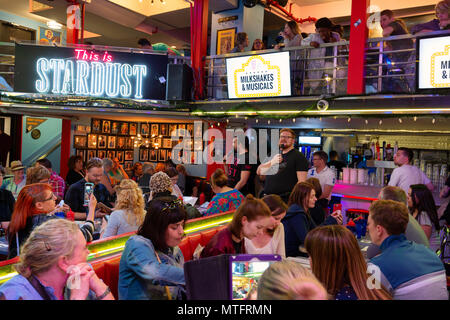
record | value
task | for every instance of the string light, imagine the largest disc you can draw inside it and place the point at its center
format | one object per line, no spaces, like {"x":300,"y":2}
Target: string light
{"x":380,"y":122}
{"x":367,"y":121}
{"x":415,"y":118}
{"x":268,"y":121}
{"x":256,"y":120}
{"x":280,"y":120}
{"x":349,"y":119}
{"x":400,"y":120}
{"x":293,"y":120}
{"x":433,"y":121}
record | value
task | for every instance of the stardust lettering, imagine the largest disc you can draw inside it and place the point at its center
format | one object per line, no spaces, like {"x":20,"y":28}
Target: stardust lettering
{"x":94,"y":78}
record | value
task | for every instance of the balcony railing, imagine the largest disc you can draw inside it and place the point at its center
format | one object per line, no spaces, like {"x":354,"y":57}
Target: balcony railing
{"x":390,"y":67}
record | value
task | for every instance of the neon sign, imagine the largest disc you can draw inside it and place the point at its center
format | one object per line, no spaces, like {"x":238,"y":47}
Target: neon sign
{"x":91,"y":74}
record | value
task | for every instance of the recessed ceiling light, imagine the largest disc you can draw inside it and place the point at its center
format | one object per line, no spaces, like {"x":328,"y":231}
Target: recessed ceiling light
{"x":52,"y":24}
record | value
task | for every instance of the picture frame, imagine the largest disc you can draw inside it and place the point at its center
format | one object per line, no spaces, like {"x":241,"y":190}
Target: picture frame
{"x":169,"y":154}
{"x":181,"y":130}
{"x":164,"y":130}
{"x":79,"y":142}
{"x":101,"y":154}
{"x":91,"y":154}
{"x":102,"y":141}
{"x":48,"y":36}
{"x":190,"y":129}
{"x":172,"y":127}
{"x":167,"y":143}
{"x":81,"y":153}
{"x":124,"y":128}
{"x":145,"y":129}
{"x":96,"y":126}
{"x":129,"y":155}
{"x":153,"y":155}
{"x":92,"y":141}
{"x":129,"y":143}
{"x":128,"y":165}
{"x":120,"y":155}
{"x":162,"y":155}
{"x":143,"y":154}
{"x":106,"y":126}
{"x":155,"y":129}
{"x":115,"y":127}
{"x":158,"y":142}
{"x":225,"y":40}
{"x":121,"y":143}
{"x":111,"y":142}
{"x":111,"y":154}
{"x":133,"y":128}
{"x":80,"y":128}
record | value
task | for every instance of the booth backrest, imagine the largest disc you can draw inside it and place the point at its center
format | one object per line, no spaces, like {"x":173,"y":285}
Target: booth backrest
{"x":190,"y":243}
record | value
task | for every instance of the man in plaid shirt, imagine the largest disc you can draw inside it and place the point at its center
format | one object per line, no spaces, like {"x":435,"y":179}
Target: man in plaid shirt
{"x":58,"y":184}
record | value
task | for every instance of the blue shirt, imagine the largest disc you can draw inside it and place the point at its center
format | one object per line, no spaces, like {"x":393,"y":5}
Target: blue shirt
{"x":19,"y":288}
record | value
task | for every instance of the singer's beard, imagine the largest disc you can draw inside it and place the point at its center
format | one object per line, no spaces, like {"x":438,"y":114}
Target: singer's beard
{"x":283,"y":146}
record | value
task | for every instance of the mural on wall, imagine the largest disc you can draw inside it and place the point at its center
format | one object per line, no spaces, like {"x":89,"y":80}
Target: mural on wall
{"x":225,"y":40}
{"x":48,"y":36}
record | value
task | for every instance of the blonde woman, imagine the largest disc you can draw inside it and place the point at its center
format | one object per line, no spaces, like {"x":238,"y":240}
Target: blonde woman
{"x":289,"y":280}
{"x":129,"y":211}
{"x":53,"y":267}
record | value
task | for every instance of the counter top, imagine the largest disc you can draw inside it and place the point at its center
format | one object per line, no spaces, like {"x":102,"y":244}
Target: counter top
{"x":365,"y":192}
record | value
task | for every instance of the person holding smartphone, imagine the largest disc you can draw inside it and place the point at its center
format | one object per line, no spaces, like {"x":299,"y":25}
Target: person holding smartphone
{"x":76,"y":194}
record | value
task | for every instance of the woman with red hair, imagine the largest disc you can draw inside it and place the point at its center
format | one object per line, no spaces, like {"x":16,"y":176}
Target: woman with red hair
{"x":36,"y":204}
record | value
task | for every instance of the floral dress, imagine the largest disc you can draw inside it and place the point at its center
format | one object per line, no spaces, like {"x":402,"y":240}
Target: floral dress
{"x":223,"y":202}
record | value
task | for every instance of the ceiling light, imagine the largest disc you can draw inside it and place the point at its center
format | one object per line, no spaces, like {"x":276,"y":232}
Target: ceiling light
{"x":52,"y":24}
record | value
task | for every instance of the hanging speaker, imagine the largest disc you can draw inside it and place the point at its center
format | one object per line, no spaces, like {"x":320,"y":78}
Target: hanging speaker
{"x":250,"y":3}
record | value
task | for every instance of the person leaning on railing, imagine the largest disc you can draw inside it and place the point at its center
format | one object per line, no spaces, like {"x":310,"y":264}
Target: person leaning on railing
{"x":442,"y":22}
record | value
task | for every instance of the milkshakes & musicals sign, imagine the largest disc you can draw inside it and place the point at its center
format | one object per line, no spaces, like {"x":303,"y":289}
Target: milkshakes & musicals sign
{"x":433,"y":63}
{"x":259,"y":76}
{"x":90,"y":72}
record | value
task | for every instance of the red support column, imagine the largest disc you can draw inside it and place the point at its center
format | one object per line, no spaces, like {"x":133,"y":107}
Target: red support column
{"x":199,"y":38}
{"x":358,"y":39}
{"x":65,"y":147}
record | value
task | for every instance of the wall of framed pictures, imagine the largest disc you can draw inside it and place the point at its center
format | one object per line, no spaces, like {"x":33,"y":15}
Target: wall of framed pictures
{"x":116,"y":139}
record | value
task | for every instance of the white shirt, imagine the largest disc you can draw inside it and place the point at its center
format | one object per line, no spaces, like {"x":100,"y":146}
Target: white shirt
{"x":326,"y":177}
{"x":407,"y":175}
{"x":274,"y":246}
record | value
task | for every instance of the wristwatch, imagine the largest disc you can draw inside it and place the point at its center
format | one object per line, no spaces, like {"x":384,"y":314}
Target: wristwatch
{"x":107,"y":291}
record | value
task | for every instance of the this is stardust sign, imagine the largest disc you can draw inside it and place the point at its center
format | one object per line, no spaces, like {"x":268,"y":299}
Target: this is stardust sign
{"x":86,"y":72}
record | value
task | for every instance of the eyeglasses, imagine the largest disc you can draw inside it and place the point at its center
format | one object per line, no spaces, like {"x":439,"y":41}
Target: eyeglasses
{"x":51,"y":197}
{"x":172,"y":205}
{"x":286,"y":137}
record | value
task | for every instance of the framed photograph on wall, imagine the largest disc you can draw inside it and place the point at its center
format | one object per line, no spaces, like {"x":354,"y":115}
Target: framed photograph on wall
{"x":48,"y":37}
{"x":129,"y":144}
{"x":129,"y":155}
{"x":111,"y":142}
{"x":172,"y":127}
{"x":143,"y":154}
{"x":124,"y":129}
{"x":111,"y":154}
{"x":96,"y":126}
{"x":106,"y":126}
{"x":101,"y":154}
{"x":92,"y":141}
{"x":79,"y":142}
{"x":102,"y":141}
{"x":91,"y":154}
{"x":133,"y":128}
{"x":158,"y":142}
{"x":115,"y":127}
{"x":81,"y":153}
{"x":153,"y":155}
{"x":225,"y":40}
{"x":167,"y":143}
{"x":155,"y":130}
{"x":120,"y":155}
{"x":145,"y":129}
{"x":162,"y":155}
{"x":190,"y":129}
{"x":128,"y":165}
{"x":164,"y":130}
{"x":181,"y":130}
{"x":169,"y":154}
{"x":121,"y":142}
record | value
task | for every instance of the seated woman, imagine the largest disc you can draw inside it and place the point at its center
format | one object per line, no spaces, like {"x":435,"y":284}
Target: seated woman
{"x":336,"y":260}
{"x":422,"y":207}
{"x":35,"y":205}
{"x":7,"y":202}
{"x":105,"y":179}
{"x":137,"y":171}
{"x":54,"y":257}
{"x":182,"y":174}
{"x":173,"y":175}
{"x":114,"y":171}
{"x":129,"y":211}
{"x":226,"y":198}
{"x":37,"y":174}
{"x":442,"y":22}
{"x":76,"y":170}
{"x":318,"y":212}
{"x":249,"y":220}
{"x":298,"y":222}
{"x":148,"y":170}
{"x":151,"y":266}
{"x":160,"y":186}
{"x":271,"y":241}
{"x":289,"y":280}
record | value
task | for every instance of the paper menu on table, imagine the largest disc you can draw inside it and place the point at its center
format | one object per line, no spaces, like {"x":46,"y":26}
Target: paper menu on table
{"x":190,"y":200}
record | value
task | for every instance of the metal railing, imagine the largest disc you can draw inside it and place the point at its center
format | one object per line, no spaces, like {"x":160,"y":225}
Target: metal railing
{"x":390,"y":67}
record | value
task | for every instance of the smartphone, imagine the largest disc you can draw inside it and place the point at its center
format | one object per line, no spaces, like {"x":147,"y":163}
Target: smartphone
{"x":337,"y":206}
{"x":88,"y":190}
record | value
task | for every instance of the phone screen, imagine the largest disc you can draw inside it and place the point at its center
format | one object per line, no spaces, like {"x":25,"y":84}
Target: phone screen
{"x":88,"y":189}
{"x":337,"y":206}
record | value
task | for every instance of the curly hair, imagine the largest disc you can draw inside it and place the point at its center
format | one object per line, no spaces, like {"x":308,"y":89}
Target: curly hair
{"x":131,"y":200}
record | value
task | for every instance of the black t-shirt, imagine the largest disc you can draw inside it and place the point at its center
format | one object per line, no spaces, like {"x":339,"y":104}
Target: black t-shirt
{"x":73,"y":177}
{"x":234,"y":174}
{"x":400,"y":44}
{"x":285,"y":179}
{"x":337,"y":164}
{"x":6,"y":205}
{"x":75,"y":196}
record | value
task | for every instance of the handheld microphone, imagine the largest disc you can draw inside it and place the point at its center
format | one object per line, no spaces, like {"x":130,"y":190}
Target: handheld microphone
{"x":282,"y":164}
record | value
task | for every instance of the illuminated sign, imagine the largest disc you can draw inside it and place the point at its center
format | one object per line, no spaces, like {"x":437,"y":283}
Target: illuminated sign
{"x":433,"y":63}
{"x":258,"y":76}
{"x":68,"y":71}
